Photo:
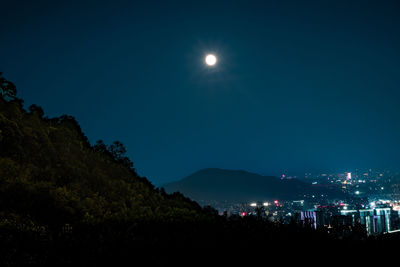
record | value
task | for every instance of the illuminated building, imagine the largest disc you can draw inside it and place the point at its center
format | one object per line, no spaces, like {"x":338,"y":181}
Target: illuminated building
{"x":382,"y":220}
{"x":366,"y":218}
{"x":376,"y":221}
{"x":352,"y":215}
{"x":309,"y":218}
{"x":298,"y":205}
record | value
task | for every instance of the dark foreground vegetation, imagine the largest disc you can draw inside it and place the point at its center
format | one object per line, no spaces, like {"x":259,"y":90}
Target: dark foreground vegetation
{"x":64,"y":201}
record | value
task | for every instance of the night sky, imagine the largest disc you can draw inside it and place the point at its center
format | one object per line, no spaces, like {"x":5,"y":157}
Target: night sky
{"x":299,"y":85}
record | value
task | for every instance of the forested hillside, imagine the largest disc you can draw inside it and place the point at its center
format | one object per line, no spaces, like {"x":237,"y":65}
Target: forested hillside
{"x":55,"y":185}
{"x":51,"y":175}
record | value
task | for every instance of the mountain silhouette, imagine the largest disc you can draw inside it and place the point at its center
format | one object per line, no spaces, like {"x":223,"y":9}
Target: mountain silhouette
{"x":219,"y":185}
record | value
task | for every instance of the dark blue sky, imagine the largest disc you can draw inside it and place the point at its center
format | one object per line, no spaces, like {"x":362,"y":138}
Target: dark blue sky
{"x":300,"y":85}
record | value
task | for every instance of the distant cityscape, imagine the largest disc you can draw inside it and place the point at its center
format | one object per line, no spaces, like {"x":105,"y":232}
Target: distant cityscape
{"x":371,"y":204}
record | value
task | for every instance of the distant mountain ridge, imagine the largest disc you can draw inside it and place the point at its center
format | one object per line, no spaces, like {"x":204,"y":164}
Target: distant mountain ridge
{"x":216,"y":185}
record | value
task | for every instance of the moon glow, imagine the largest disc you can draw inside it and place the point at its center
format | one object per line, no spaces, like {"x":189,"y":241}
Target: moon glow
{"x":211,"y":60}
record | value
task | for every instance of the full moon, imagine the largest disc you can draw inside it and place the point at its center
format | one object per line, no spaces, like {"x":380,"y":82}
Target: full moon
{"x":211,"y":60}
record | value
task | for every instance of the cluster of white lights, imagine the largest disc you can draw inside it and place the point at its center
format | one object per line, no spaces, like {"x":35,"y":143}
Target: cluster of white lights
{"x":265,"y":204}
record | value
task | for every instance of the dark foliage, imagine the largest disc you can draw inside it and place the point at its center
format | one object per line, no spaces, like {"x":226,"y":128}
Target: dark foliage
{"x":7,"y":88}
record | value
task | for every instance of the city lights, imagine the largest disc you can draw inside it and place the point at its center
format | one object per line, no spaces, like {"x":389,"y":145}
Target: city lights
{"x":364,"y":200}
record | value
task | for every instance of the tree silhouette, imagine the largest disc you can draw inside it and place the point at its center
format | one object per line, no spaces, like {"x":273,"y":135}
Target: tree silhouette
{"x":36,"y":110}
{"x":117,"y":150}
{"x":100,"y":146}
{"x":7,"y":88}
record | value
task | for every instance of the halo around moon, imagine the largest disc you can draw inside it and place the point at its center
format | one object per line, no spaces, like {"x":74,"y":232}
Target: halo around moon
{"x":211,"y":60}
